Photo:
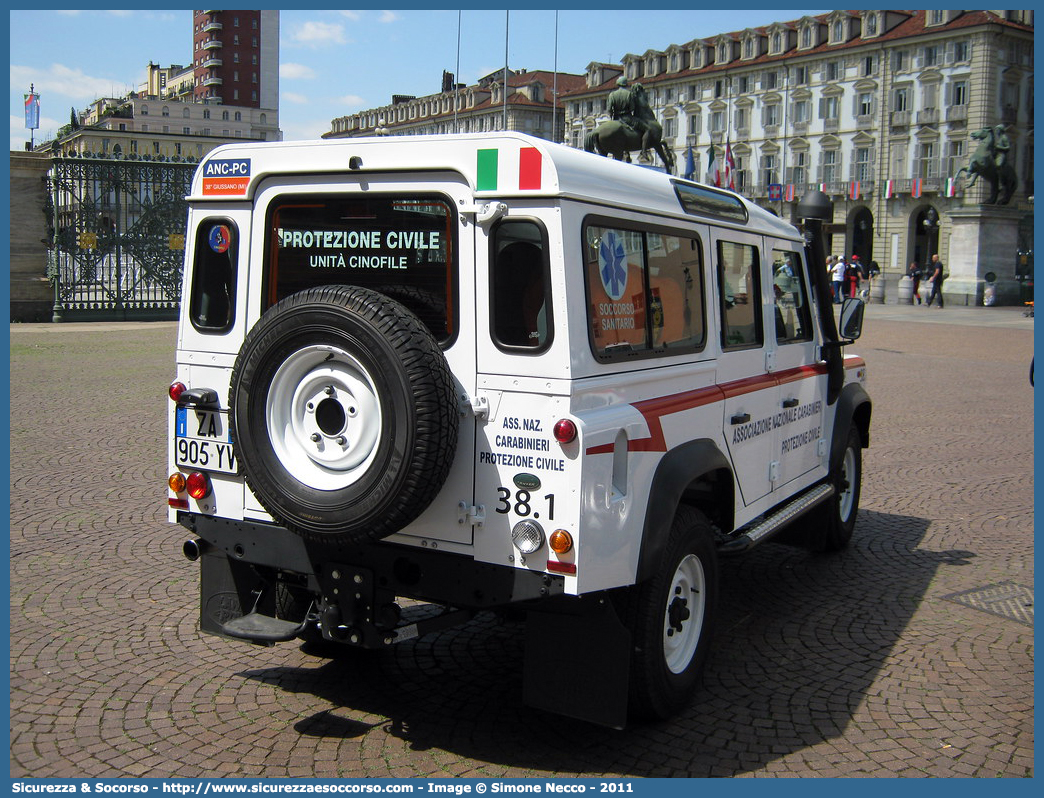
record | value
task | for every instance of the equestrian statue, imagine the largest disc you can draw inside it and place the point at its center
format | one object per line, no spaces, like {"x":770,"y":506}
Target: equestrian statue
{"x":990,"y":160}
{"x":631,"y":126}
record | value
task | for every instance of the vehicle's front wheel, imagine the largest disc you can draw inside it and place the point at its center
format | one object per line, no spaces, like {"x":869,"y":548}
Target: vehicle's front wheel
{"x":836,"y":518}
{"x":671,"y":617}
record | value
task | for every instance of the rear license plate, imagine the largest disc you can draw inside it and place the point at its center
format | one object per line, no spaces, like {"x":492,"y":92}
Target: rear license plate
{"x":201,"y":440}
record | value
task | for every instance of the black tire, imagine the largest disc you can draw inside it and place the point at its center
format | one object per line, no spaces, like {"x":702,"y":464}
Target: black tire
{"x":671,"y":617}
{"x":344,"y":414}
{"x":835,"y":519}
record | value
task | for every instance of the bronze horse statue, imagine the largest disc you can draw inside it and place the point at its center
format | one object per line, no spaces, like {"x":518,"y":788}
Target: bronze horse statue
{"x":984,"y":163}
{"x":618,"y":139}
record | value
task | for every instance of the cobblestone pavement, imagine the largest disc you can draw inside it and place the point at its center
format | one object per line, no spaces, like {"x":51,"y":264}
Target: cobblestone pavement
{"x":910,"y":654}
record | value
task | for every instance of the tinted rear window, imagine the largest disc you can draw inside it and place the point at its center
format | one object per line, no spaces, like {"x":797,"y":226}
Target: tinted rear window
{"x":402,"y":246}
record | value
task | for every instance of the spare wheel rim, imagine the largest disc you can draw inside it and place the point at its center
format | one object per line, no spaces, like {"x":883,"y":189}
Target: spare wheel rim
{"x":683,"y":614}
{"x":324,"y":417}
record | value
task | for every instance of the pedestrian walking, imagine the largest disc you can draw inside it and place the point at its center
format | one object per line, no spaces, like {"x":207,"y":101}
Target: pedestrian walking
{"x":915,"y":274}
{"x":839,"y":279}
{"x":853,"y":274}
{"x":937,"y":278}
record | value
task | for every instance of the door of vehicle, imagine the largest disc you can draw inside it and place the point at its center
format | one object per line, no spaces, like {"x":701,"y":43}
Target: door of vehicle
{"x":401,"y":236}
{"x":744,"y":368}
{"x":799,"y":426}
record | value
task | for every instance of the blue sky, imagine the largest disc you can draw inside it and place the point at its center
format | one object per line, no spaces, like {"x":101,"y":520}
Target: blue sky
{"x":336,"y":62}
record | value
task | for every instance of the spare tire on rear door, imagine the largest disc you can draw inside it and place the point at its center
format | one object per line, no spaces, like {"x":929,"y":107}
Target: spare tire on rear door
{"x":343,"y":413}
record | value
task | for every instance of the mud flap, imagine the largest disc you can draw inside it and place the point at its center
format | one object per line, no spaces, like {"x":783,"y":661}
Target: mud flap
{"x":577,"y":663}
{"x":228,"y":590}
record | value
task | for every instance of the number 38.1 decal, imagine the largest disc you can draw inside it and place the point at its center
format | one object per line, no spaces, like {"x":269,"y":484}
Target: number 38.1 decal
{"x":523,"y":503}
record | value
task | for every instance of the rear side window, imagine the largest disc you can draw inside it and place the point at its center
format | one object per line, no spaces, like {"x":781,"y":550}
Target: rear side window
{"x":740,"y":294}
{"x":212,"y":295}
{"x":520,"y":284}
{"x":401,"y":246}
{"x":645,"y":291}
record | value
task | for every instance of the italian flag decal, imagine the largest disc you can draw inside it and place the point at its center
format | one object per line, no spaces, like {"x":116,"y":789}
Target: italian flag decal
{"x":506,"y":173}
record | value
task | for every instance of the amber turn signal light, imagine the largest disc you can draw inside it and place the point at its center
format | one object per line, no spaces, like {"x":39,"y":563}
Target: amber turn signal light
{"x":560,"y":541}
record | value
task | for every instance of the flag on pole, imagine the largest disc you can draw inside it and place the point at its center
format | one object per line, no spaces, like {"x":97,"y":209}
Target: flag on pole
{"x":32,"y":110}
{"x":915,"y":189}
{"x":951,"y":187}
{"x":788,"y":193}
{"x":823,"y":187}
{"x":730,"y":167}
{"x":690,"y":165}
{"x":853,"y":190}
{"x":713,"y":174}
{"x":889,"y":189}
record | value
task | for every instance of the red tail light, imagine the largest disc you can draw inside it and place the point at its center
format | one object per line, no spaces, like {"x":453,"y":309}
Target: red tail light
{"x":176,"y":390}
{"x":198,"y":485}
{"x":565,"y":431}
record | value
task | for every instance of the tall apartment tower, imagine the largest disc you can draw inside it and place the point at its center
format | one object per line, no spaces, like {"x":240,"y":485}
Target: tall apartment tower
{"x":235,"y":58}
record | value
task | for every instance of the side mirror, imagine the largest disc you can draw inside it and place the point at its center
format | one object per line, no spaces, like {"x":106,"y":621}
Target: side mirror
{"x":851,"y":324}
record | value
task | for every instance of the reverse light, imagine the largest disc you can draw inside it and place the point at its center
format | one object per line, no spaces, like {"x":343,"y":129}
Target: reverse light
{"x":176,"y":390}
{"x":565,"y":431}
{"x":560,"y":541}
{"x":176,"y":482}
{"x":198,"y":485}
{"x":528,"y":536}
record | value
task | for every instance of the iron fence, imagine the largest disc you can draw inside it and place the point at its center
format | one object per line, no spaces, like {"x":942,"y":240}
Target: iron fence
{"x":118,"y":237}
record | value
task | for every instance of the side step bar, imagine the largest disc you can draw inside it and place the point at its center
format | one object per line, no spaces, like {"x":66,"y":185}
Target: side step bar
{"x":772,"y":524}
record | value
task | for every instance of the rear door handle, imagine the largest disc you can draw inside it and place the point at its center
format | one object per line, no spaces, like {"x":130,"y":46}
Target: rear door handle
{"x":741,"y":419}
{"x":790,"y":403}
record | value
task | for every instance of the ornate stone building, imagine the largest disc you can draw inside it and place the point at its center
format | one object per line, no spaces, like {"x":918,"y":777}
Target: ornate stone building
{"x":530,"y":107}
{"x":229,"y":91}
{"x":877,"y":108}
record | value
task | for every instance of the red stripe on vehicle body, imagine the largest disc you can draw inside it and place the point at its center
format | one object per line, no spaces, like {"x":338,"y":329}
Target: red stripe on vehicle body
{"x":653,"y":410}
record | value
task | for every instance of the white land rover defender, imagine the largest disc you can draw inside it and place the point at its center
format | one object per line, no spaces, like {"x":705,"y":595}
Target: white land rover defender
{"x":487,"y":371}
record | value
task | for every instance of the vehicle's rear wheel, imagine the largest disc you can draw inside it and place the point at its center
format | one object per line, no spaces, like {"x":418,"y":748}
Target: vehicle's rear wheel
{"x":671,"y":617}
{"x":343,"y":413}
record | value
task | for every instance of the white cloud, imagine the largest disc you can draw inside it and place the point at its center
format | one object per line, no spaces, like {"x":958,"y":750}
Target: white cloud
{"x":316,"y":34}
{"x":389,"y":16}
{"x":296,"y":71}
{"x":350,"y":100}
{"x":20,"y":135}
{"x":60,"y":80}
{"x":354,"y":16}
{"x":293,"y":97}
{"x":303,"y":129}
